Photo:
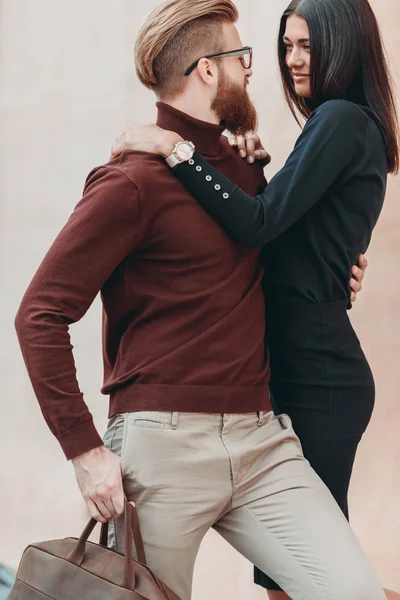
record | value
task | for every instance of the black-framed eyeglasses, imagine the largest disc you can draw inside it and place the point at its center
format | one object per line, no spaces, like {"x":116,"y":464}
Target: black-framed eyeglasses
{"x":245,"y":54}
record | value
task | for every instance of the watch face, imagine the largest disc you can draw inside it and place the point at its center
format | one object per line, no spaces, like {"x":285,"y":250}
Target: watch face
{"x":184,"y":151}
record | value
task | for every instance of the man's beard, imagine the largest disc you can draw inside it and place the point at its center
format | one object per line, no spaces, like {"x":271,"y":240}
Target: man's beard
{"x":233,"y":106}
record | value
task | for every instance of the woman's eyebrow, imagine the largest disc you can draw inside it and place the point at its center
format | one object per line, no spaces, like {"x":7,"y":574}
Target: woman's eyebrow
{"x":300,"y":41}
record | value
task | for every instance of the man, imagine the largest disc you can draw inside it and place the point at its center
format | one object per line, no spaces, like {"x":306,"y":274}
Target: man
{"x":191,"y":424}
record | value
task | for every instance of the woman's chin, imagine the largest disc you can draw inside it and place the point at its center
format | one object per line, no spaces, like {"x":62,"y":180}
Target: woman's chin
{"x":303,"y":90}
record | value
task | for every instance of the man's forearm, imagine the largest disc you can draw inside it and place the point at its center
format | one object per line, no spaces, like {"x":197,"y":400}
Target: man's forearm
{"x":45,"y":344}
{"x":97,"y":237}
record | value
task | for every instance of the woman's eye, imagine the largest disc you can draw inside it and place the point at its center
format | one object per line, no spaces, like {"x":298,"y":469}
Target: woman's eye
{"x":288,"y":48}
{"x":307,"y":47}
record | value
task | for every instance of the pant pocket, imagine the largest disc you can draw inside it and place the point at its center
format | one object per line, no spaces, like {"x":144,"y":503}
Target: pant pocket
{"x":153,"y":419}
{"x":285,"y":421}
{"x":287,"y":425}
{"x":115,"y":440}
{"x":113,"y":437}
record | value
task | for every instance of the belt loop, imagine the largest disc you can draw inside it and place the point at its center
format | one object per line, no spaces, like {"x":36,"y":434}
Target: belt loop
{"x":174,"y":420}
{"x":260,"y":415}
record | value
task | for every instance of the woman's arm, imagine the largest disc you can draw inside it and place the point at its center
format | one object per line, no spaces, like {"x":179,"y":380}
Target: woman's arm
{"x":333,"y":137}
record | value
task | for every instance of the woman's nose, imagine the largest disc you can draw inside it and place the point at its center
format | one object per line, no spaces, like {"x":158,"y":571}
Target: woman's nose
{"x":295,"y":59}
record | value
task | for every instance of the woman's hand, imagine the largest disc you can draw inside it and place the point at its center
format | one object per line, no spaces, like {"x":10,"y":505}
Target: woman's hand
{"x":250,"y":146}
{"x":358,"y":274}
{"x":146,"y":138}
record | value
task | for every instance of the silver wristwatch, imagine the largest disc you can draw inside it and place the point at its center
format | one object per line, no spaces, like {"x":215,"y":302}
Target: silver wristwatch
{"x":183,"y":152}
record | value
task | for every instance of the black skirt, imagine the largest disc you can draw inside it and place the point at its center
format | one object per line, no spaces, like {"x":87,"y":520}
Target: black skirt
{"x":322,"y":380}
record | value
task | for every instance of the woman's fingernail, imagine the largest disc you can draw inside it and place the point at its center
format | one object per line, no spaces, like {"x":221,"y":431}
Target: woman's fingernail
{"x":257,"y":153}
{"x":242,"y":153}
{"x":251,"y":159}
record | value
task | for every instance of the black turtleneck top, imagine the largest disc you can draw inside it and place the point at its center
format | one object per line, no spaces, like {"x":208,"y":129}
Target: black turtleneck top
{"x":316,"y":214}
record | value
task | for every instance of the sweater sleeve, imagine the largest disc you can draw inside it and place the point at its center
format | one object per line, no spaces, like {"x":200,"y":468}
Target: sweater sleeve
{"x":96,"y":238}
{"x":332,"y":142}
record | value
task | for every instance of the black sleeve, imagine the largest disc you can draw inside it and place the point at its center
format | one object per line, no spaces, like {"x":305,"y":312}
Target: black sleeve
{"x":333,"y":139}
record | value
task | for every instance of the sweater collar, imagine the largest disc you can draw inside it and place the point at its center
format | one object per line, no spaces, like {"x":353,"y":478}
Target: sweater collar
{"x":205,"y":136}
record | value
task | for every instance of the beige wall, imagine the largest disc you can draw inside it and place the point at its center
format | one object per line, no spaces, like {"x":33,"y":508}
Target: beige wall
{"x":67,"y":89}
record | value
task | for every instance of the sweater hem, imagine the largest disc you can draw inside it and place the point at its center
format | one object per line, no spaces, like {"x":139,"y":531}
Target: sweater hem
{"x":213,"y":399}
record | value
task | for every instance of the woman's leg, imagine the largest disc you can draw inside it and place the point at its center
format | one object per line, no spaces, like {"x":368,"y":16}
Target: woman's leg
{"x":330,"y":425}
{"x":333,"y":463}
{"x":330,"y":435}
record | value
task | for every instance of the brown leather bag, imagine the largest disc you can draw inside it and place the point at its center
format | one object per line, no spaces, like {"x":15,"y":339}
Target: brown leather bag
{"x":73,"y":569}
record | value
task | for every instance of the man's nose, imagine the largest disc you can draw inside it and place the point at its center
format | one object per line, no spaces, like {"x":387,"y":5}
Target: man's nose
{"x":249,"y":73}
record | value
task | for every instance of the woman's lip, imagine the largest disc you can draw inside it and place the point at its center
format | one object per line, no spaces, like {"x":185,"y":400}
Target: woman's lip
{"x":299,"y":76}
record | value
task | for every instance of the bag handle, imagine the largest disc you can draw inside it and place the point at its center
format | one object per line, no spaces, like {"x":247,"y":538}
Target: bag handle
{"x":136,"y":533}
{"x":132,"y":530}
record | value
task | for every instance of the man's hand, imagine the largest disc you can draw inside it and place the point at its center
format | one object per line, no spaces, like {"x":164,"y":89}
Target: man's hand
{"x":98,"y":474}
{"x":358,"y":272}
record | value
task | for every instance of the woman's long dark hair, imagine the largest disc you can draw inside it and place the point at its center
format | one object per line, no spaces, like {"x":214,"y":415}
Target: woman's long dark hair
{"x":347,"y":62}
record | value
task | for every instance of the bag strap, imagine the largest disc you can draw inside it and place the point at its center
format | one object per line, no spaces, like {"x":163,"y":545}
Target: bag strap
{"x":132,"y":530}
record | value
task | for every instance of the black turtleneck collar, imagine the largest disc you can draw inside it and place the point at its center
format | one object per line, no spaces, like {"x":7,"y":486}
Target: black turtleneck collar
{"x":205,"y":136}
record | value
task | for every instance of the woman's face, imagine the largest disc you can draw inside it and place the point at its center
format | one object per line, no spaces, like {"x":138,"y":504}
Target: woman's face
{"x":297,"y":42}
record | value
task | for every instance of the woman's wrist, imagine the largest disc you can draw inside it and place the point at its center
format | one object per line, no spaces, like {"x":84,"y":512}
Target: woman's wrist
{"x":168,"y":142}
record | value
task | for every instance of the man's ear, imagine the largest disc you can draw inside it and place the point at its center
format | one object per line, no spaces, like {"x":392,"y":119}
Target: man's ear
{"x":208,"y":71}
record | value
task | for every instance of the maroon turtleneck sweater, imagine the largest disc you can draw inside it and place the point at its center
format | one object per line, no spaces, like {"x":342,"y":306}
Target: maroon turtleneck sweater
{"x":183,"y":326}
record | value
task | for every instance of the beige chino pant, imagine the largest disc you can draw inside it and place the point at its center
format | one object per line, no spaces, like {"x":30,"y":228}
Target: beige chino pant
{"x":245,"y":476}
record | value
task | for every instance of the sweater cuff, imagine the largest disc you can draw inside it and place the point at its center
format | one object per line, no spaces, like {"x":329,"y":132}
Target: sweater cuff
{"x":209,"y":186}
{"x":80,"y":440}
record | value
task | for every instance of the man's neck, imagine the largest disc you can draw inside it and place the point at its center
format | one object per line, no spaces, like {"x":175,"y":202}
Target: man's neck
{"x":193,"y":125}
{"x":194,"y":107}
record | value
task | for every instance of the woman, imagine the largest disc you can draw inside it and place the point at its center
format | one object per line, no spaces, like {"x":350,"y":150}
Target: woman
{"x":312,"y":219}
